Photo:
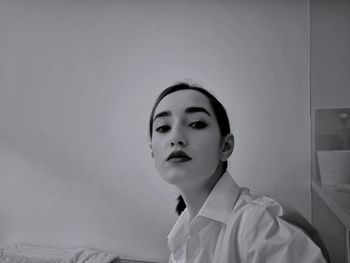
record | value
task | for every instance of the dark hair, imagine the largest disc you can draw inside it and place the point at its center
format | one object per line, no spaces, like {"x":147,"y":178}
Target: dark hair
{"x":218,"y":108}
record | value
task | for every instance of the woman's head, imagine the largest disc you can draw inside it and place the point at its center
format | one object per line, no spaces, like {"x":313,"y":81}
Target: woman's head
{"x":190,"y":123}
{"x":218,"y":108}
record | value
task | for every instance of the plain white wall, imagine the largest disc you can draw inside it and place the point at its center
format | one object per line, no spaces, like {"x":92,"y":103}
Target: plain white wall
{"x":329,"y":58}
{"x":329,"y":54}
{"x":78,"y":80}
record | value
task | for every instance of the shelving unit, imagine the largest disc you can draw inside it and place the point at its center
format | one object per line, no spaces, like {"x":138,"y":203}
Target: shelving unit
{"x":330,"y":205}
{"x":338,"y":202}
{"x":331,"y":217}
{"x":329,"y":100}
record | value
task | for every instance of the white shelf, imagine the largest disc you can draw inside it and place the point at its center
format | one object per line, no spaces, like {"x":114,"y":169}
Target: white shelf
{"x":338,"y":202}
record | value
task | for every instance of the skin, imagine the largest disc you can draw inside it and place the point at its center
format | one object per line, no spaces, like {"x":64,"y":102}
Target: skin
{"x":184,"y":120}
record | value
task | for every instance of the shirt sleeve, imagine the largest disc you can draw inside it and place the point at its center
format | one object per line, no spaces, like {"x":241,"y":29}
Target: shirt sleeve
{"x":267,"y":238}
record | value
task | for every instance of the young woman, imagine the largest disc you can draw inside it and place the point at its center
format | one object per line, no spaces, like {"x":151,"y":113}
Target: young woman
{"x":220,"y":222}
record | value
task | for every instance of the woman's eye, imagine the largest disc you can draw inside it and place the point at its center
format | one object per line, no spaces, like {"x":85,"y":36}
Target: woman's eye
{"x":198,"y":125}
{"x":163,"y":128}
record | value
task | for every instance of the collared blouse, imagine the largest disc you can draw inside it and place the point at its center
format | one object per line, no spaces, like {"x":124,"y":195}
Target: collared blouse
{"x":234,"y":226}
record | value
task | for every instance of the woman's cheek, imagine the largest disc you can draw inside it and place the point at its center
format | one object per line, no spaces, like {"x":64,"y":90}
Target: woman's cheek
{"x":157,"y":150}
{"x":211,"y":157}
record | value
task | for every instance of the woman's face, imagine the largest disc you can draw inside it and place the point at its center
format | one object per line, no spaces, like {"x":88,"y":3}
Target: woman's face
{"x":186,"y":139}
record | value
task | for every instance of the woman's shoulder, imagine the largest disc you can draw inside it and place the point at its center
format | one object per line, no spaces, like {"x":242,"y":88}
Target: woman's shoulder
{"x":247,"y":203}
{"x":259,"y":211}
{"x":263,"y":220}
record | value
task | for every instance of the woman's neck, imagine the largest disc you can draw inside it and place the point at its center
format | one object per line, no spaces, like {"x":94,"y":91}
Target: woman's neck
{"x":195,"y":197}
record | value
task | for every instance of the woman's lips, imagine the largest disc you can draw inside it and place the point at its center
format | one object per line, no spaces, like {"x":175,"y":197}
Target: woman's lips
{"x":178,"y":157}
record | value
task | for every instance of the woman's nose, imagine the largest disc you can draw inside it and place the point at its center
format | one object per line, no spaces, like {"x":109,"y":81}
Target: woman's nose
{"x":178,"y":138}
{"x":178,"y":142}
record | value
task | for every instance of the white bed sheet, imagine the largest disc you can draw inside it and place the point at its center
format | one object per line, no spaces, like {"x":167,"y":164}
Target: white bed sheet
{"x":34,"y":254}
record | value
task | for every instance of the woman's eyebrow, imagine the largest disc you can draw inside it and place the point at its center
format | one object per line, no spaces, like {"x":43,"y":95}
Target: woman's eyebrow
{"x":187,"y":110}
{"x":162,"y":114}
{"x":196,"y":109}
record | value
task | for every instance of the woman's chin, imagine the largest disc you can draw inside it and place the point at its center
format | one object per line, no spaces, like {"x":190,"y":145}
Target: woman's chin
{"x":177,"y":177}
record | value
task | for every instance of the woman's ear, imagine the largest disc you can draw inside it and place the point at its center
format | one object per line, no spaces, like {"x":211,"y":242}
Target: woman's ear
{"x":152,"y":154}
{"x":228,"y":144}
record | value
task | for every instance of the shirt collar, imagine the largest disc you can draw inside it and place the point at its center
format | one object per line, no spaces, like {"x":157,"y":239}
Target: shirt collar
{"x":218,"y":206}
{"x":221,"y":199}
{"x":180,"y":231}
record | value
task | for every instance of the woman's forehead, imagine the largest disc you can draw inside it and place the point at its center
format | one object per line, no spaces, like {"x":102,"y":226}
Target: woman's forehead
{"x":183,"y":99}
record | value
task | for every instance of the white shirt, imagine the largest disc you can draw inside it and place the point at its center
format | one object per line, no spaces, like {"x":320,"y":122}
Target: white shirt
{"x":233,"y":227}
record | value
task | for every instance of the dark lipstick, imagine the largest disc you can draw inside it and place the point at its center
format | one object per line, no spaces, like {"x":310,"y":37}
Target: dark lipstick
{"x":178,"y":157}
